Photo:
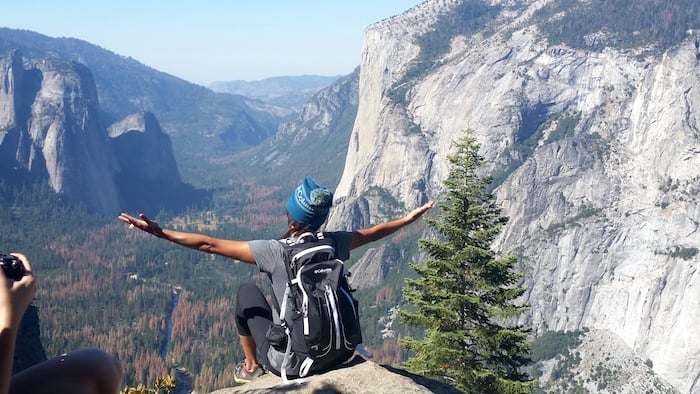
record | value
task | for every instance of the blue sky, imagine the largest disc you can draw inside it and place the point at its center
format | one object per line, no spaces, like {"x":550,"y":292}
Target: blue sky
{"x":215,"y":40}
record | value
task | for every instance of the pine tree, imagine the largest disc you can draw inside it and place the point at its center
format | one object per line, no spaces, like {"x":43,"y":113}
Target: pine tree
{"x":464,"y":292}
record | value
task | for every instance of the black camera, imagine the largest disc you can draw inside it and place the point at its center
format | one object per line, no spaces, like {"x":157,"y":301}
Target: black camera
{"x":12,"y":267}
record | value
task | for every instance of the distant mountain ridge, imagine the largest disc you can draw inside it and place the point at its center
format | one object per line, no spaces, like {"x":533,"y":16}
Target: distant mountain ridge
{"x":322,"y":128}
{"x":286,"y":91}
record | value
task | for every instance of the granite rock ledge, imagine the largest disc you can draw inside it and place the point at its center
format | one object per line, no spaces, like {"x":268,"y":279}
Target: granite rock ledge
{"x":357,"y":377}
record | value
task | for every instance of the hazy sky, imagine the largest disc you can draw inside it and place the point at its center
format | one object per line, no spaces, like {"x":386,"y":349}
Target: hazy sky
{"x":215,"y":40}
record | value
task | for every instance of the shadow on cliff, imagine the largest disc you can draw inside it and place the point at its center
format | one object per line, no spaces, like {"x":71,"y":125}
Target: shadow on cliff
{"x":434,"y":385}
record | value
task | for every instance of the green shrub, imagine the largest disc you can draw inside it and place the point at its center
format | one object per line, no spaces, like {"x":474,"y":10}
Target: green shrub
{"x":163,"y":385}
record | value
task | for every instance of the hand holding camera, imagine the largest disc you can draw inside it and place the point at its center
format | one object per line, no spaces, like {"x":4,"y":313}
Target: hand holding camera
{"x":16,"y":291}
{"x":12,"y":267}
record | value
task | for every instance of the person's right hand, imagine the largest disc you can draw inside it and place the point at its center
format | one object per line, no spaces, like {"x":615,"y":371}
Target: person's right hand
{"x":15,"y":296}
{"x":142,"y":222}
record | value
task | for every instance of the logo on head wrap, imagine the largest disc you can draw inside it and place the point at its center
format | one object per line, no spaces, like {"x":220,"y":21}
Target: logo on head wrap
{"x":310,"y":203}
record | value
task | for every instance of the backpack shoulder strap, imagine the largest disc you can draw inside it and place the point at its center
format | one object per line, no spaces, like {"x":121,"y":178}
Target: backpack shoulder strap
{"x":282,"y":304}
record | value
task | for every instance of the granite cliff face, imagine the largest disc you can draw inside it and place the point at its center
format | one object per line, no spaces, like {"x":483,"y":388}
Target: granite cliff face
{"x":147,"y":177}
{"x":50,"y":126}
{"x":596,"y":154}
{"x":51,"y":131}
{"x":132,"y":139}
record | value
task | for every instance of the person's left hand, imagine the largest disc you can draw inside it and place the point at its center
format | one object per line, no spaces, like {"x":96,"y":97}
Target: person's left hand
{"x":16,"y":295}
{"x":418,"y":212}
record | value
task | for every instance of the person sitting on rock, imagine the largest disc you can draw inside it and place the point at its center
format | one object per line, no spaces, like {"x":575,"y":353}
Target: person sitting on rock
{"x":307,"y":209}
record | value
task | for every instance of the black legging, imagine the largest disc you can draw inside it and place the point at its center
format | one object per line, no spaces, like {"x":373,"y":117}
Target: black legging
{"x":253,"y":318}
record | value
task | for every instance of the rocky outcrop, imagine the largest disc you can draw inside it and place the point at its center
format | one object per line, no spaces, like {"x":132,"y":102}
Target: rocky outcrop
{"x":374,"y":266}
{"x":602,"y":362}
{"x":595,"y":154}
{"x":11,"y":67}
{"x":359,"y":376}
{"x":133,"y":139}
{"x":148,"y":177}
{"x":51,"y":131}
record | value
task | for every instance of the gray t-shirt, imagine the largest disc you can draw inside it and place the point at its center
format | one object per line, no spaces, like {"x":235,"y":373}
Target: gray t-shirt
{"x":269,"y":256}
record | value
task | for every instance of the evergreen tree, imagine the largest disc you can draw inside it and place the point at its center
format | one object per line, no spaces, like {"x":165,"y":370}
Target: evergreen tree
{"x":464,"y":292}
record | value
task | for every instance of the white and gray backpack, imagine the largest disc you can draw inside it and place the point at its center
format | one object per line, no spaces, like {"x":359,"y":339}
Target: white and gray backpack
{"x":319,"y":321}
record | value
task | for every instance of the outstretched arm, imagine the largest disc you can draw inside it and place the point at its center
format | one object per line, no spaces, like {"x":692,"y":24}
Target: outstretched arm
{"x":374,"y":233}
{"x":238,"y":250}
{"x":15,"y":297}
